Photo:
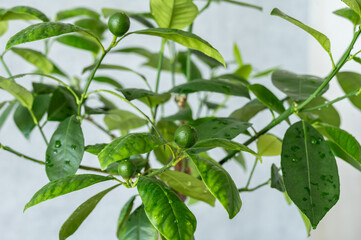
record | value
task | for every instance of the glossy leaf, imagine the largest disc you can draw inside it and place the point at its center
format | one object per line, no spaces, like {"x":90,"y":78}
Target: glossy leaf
{"x":186,"y":39}
{"x":350,"y":81}
{"x":187,"y":185}
{"x":309,"y":171}
{"x":269,"y":145}
{"x":276,"y":179}
{"x":36,"y":58}
{"x":219,"y":183}
{"x":173,"y":13}
{"x":354,"y":5}
{"x":227,"y":128}
{"x":124,"y":213}
{"x":217,"y":86}
{"x":79,"y":42}
{"x":41,"y":31}
{"x":210,"y":62}
{"x":80,"y":214}
{"x":123,"y":120}
{"x":62,"y":105}
{"x":244,"y":71}
{"x":23,"y":119}
{"x":266,"y":97}
{"x":168,"y":214}
{"x":182,"y":115}
{"x":19,"y":92}
{"x":345,"y":141}
{"x":23,"y":13}
{"x":297,"y":87}
{"x":75,"y":12}
{"x":338,"y":152}
{"x":207,"y":144}
{"x":108,"y":80}
{"x":138,"y":227}
{"x":148,"y":97}
{"x":248,"y":111}
{"x":65,"y":150}
{"x":96,"y":148}
{"x":128,"y":145}
{"x":64,"y":186}
{"x":3,"y":27}
{"x":349,"y":14}
{"x":320,"y":37}
{"x":327,"y":114}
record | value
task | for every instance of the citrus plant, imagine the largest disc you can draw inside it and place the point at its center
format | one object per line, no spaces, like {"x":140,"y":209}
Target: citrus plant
{"x":307,"y":173}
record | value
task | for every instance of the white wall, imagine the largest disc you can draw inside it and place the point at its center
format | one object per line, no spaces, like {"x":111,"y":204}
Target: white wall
{"x":265,"y":42}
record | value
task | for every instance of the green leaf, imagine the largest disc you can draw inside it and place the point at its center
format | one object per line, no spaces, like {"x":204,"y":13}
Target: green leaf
{"x":248,"y":111}
{"x":96,"y":148}
{"x":168,"y":214}
{"x":276,"y":179}
{"x":36,"y":58}
{"x":41,"y":31}
{"x":297,"y":87}
{"x":184,"y":114}
{"x":94,"y":25}
{"x":307,"y":223}
{"x":345,"y":141}
{"x":173,"y":13}
{"x":23,"y":118}
{"x":244,"y":71}
{"x":62,"y":105}
{"x":207,"y":144}
{"x":350,"y":81}
{"x":321,"y":38}
{"x":138,"y":227}
{"x":210,"y":62}
{"x":269,"y":145}
{"x":5,"y":114}
{"x":186,"y":39}
{"x":107,"y":80}
{"x":237,"y":54}
{"x":243,"y":4}
{"x":217,"y":86}
{"x":148,"y":97}
{"x":3,"y":27}
{"x":354,"y":5}
{"x":19,"y":92}
{"x":81,"y":213}
{"x":309,"y":171}
{"x":75,"y":12}
{"x":79,"y":42}
{"x":266,"y":97}
{"x":327,"y":114}
{"x":232,"y":77}
{"x":23,"y":13}
{"x":65,"y":150}
{"x":195,"y":73}
{"x":124,"y":213}
{"x":220,"y":184}
{"x":349,"y":14}
{"x":265,"y":72}
{"x":123,"y":120}
{"x":65,"y":185}
{"x":128,"y":145}
{"x":187,"y":185}
{"x":228,"y":128}
{"x":338,"y":152}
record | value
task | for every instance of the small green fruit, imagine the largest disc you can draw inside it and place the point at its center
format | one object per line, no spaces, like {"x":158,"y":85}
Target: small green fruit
{"x":185,"y":136}
{"x":126,"y":169}
{"x":119,"y":24}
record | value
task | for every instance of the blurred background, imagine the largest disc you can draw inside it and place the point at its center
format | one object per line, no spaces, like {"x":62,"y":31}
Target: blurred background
{"x":265,"y":42}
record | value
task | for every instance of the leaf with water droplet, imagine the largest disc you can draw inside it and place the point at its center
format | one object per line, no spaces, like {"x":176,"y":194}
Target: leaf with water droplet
{"x":61,"y":155}
{"x":309,"y":171}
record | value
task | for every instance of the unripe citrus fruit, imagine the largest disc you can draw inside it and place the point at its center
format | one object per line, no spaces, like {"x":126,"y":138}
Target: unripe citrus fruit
{"x":119,"y":24}
{"x":185,"y":136}
{"x":126,"y":169}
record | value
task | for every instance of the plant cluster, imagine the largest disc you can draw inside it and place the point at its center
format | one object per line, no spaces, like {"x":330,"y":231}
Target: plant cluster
{"x":307,"y":174}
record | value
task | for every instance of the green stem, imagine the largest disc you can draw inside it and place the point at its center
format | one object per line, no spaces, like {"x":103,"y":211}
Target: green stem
{"x":292,"y":109}
{"x":90,"y":119}
{"x":38,"y":125}
{"x":251,"y":174}
{"x":353,"y":93}
{"x":169,"y":165}
{"x":255,"y":188}
{"x":92,"y":74}
{"x":5,"y":66}
{"x":160,"y":63}
{"x":189,"y":53}
{"x":205,"y":6}
{"x":9,"y":149}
